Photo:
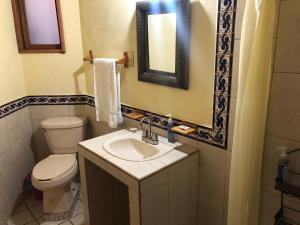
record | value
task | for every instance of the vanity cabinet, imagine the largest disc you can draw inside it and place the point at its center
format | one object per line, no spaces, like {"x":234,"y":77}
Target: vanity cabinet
{"x":163,"y":191}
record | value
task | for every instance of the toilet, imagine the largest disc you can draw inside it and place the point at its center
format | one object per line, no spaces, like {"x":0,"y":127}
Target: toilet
{"x":53,"y":175}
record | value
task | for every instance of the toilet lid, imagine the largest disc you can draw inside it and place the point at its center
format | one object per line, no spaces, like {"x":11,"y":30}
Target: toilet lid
{"x":54,"y":166}
{"x":63,"y":122}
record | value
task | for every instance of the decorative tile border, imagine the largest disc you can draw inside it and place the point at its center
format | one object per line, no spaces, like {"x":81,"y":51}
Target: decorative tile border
{"x":158,"y":120}
{"x":14,"y":106}
{"x":58,"y":100}
{"x":218,"y":134}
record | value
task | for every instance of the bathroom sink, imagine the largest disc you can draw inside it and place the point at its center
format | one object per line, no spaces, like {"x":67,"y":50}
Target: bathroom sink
{"x":130,"y":147}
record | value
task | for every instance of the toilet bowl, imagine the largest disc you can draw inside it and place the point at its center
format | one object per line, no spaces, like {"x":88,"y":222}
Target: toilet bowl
{"x":53,"y":175}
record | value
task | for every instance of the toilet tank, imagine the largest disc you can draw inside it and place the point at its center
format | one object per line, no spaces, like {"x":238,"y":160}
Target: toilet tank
{"x":64,"y":133}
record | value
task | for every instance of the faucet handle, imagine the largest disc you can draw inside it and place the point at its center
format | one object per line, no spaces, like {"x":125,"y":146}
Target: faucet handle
{"x":154,"y":136}
{"x":145,"y":133}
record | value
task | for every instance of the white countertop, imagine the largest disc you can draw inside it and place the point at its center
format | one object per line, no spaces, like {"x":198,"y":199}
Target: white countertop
{"x":138,"y":170}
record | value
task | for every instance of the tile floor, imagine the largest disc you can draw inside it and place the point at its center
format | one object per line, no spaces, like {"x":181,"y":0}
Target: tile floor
{"x":30,"y":213}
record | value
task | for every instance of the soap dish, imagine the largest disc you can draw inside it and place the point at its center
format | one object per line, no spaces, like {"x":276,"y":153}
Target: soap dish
{"x":134,"y":115}
{"x":178,"y":129}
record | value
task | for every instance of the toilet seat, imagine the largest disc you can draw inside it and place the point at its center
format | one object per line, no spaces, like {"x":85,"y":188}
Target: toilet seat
{"x":53,"y":171}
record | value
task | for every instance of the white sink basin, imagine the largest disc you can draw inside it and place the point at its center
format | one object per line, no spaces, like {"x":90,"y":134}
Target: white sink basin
{"x":130,"y":147}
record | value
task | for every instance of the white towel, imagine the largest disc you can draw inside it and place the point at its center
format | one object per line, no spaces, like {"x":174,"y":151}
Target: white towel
{"x":107,"y":91}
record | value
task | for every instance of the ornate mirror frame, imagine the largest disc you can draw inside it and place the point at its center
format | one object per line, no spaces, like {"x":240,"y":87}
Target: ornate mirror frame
{"x":179,"y":79}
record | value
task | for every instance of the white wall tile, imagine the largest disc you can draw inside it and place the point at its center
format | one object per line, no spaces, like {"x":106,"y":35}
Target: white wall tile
{"x":239,"y":18}
{"x":147,"y":185}
{"x":13,"y":120}
{"x":59,"y":110}
{"x":39,"y":111}
{"x":179,"y":211}
{"x":194,"y":186}
{"x":289,"y":20}
{"x":179,"y":175}
{"x":184,"y":140}
{"x":10,"y":184}
{"x":231,"y":124}
{"x":225,"y":212}
{"x":25,"y":123}
{"x":41,"y":153}
{"x":98,"y":128}
{"x":77,"y":110}
{"x":227,"y":173}
{"x":288,"y":45}
{"x":286,"y":57}
{"x":284,"y":112}
{"x":153,"y":213}
{"x":134,"y":205}
{"x":4,"y":211}
{"x":133,"y":222}
{"x":269,"y":205}
{"x":211,"y":190}
{"x":39,"y":139}
{"x":212,"y":157}
{"x":36,"y":124}
{"x":16,"y":160}
{"x":208,"y":217}
{"x":277,"y":19}
{"x":17,"y":141}
{"x":4,"y":137}
{"x":193,"y":216}
{"x":235,"y":69}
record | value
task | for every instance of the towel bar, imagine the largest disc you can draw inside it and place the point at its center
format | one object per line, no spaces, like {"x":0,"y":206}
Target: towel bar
{"x":127,"y":60}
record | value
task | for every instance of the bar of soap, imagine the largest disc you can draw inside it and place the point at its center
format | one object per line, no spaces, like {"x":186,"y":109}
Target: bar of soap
{"x":133,"y":129}
{"x":183,"y":127}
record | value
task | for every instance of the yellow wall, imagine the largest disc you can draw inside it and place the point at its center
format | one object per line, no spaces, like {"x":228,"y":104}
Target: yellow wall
{"x":59,"y":73}
{"x":12,"y":84}
{"x":109,"y":28}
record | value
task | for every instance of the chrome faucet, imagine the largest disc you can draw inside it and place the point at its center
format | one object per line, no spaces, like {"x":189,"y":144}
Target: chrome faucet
{"x":148,"y":136}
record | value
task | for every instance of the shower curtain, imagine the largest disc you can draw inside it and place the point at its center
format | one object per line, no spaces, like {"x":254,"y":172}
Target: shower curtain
{"x":252,"y":105}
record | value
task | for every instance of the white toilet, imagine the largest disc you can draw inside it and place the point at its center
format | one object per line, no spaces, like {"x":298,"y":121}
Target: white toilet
{"x":54,"y":174}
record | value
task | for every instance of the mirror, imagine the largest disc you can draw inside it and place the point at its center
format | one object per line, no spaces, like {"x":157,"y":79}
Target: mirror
{"x":163,"y":35}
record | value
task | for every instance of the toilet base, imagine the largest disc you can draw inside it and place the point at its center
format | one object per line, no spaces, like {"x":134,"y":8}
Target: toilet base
{"x":59,"y":202}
